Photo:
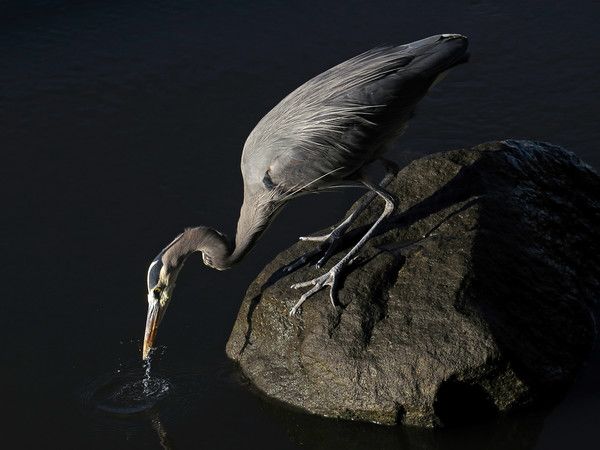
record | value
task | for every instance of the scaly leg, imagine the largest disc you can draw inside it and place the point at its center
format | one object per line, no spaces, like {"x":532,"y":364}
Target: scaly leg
{"x":331,"y":278}
{"x":332,"y":238}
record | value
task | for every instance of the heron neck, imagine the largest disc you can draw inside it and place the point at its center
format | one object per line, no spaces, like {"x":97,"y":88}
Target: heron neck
{"x":218,"y":251}
{"x":243,"y":244}
{"x":252,"y":223}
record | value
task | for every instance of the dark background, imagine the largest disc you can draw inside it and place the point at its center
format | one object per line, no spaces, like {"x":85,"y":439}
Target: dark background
{"x":122,"y":122}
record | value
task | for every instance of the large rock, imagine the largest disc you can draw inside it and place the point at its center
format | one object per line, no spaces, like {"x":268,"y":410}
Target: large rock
{"x":476,"y":298}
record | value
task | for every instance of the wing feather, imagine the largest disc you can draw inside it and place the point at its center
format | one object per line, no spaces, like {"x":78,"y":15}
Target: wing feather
{"x":338,"y":121}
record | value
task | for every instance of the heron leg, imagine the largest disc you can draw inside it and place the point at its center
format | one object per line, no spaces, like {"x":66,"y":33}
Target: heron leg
{"x":332,"y":276}
{"x":332,"y":238}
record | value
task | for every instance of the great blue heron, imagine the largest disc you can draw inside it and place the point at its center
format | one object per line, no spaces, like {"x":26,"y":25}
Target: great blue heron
{"x":321,"y":135}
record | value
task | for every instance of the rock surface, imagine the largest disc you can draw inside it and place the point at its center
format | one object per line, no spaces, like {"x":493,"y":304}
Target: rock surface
{"x":477,"y":297}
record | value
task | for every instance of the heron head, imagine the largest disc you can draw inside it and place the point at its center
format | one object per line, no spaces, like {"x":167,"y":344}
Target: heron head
{"x":161,"y":278}
{"x":164,"y":269}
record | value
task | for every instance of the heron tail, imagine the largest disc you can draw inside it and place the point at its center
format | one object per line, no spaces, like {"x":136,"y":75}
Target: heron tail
{"x":437,"y":54}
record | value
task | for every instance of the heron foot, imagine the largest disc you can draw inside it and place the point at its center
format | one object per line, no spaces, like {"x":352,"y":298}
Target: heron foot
{"x":328,"y":279}
{"x":331,"y":240}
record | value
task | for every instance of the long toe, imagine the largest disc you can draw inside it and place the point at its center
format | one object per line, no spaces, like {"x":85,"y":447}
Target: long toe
{"x":322,"y":238}
{"x":307,"y":294}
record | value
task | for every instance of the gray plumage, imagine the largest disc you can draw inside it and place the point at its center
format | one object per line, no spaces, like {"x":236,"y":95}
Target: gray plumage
{"x":344,"y":117}
{"x":323,"y":134}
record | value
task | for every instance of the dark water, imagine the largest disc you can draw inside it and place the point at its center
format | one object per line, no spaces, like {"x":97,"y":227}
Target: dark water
{"x":122,"y":123}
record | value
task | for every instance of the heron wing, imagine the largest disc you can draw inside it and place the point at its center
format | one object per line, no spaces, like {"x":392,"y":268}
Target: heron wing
{"x":338,"y":121}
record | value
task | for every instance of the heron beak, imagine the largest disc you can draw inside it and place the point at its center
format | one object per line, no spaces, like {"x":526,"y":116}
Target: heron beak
{"x":156,"y":312}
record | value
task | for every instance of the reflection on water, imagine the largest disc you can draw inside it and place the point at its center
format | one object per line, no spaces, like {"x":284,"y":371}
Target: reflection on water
{"x":137,"y":394}
{"x":161,"y":432}
{"x":142,"y":399}
{"x":117,"y":403}
{"x":517,"y":431}
{"x":126,"y":394}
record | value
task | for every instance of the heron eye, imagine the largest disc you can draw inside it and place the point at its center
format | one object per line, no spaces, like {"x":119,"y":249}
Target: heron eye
{"x":156,"y":292}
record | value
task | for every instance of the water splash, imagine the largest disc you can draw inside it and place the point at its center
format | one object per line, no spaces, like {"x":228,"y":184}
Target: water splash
{"x":147,"y":375}
{"x":130,"y":391}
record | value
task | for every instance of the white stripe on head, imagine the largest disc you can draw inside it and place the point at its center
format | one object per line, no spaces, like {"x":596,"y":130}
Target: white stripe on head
{"x":150,"y":270}
{"x":158,"y":259}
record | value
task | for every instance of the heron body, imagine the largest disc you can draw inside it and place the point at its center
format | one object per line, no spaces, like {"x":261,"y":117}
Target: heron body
{"x":321,"y":135}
